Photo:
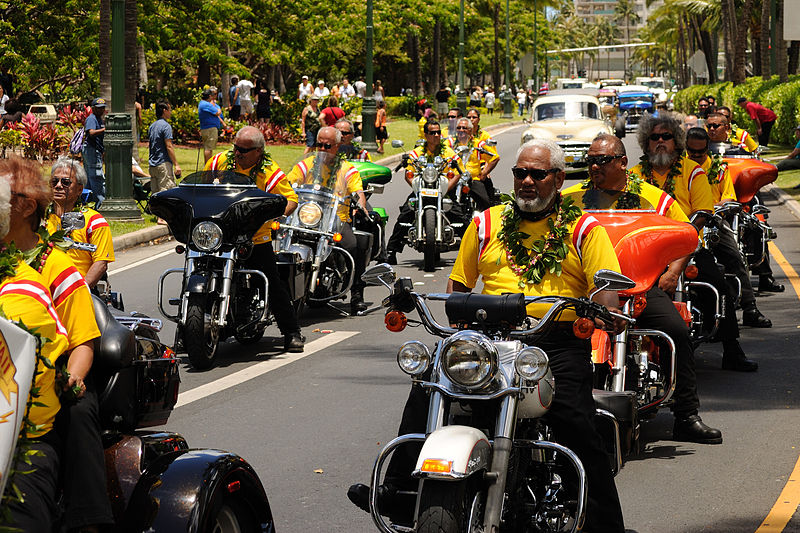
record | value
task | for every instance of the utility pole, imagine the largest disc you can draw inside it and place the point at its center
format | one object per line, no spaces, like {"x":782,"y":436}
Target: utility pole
{"x":507,"y":96}
{"x":368,"y":109}
{"x":535,"y":50}
{"x":461,"y":94}
{"x":118,"y":139}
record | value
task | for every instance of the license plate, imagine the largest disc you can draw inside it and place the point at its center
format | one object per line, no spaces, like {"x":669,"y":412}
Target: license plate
{"x":432,"y":193}
{"x":569,"y":158}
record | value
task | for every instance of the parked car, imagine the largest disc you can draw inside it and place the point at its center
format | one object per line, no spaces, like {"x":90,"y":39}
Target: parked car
{"x":571,"y":119}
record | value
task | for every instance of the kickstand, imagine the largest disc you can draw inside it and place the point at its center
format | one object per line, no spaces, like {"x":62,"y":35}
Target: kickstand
{"x":369,"y":310}
{"x":342,"y":311}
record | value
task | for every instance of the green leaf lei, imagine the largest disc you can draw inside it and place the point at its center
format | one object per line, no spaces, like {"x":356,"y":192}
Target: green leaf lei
{"x":546,"y":254}
{"x":669,"y":183}
{"x":629,"y":199}
{"x":718,"y":167}
{"x":36,"y":257}
{"x":438,"y":151}
{"x":263,"y":161}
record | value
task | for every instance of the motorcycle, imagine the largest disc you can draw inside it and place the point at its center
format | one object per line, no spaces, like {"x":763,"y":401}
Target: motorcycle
{"x":215,"y":215}
{"x":463,"y":197}
{"x":486,"y":458}
{"x":432,"y":232}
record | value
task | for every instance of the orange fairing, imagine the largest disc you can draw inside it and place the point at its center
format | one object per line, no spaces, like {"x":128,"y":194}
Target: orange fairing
{"x":749,"y":175}
{"x":601,"y":347}
{"x":646,"y":243}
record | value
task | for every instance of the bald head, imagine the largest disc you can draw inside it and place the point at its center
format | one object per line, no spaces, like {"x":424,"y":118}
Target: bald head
{"x":250,"y":134}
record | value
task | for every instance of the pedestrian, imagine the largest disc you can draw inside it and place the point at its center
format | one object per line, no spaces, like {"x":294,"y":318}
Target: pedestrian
{"x":380,"y":94}
{"x":13,"y":112}
{"x":335,"y":91}
{"x":3,"y":99}
{"x":234,"y":103}
{"x":332,"y":113}
{"x":305,"y":89}
{"x":245,"y":100}
{"x":442,"y":98}
{"x":361,"y":87}
{"x":321,"y":91}
{"x":346,"y":91}
{"x":163,"y":163}
{"x":309,"y":123}
{"x":474,"y":98}
{"x":490,"y":98}
{"x":521,"y":98}
{"x":763,"y":117}
{"x":210,"y":115}
{"x":94,"y":150}
{"x":380,"y":125}
{"x":263,"y":105}
{"x":792,"y":161}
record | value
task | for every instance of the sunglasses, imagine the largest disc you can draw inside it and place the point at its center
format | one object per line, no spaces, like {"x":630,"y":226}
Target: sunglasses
{"x":437,"y":132}
{"x":702,"y":105}
{"x":347,"y":132}
{"x":537,"y":174}
{"x":244,"y":150}
{"x":655,"y":137}
{"x":697,"y":152}
{"x":65,"y":182}
{"x":463,"y":128}
{"x":713,"y":126}
{"x":326,"y":146}
{"x":600,"y":160}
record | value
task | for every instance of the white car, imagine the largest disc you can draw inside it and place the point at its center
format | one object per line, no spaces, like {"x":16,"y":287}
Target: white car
{"x":46,"y":113}
{"x":571,"y":120}
{"x":657,"y":86}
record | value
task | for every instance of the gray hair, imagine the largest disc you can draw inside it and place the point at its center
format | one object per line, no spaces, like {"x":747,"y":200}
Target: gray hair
{"x":75,"y":169}
{"x":666,"y":120}
{"x":463,"y":119}
{"x":344,"y":121}
{"x":556,"y":153}
{"x":338,"y":133}
{"x":253,"y":134}
{"x":5,"y":207}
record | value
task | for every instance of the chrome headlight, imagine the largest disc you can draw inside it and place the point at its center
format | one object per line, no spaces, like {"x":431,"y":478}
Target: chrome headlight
{"x":207,"y":236}
{"x":531,"y":363}
{"x":430,"y":175}
{"x":309,"y":214}
{"x":414,"y":358}
{"x":469,"y":359}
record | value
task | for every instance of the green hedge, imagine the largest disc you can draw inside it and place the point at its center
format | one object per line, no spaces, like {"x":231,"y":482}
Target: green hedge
{"x":783,"y":98}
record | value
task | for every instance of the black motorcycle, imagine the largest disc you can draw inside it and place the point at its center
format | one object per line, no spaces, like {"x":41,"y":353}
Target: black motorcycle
{"x":215,"y":215}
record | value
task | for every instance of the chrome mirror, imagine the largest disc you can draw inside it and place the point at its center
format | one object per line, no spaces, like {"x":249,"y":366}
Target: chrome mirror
{"x":397,"y":143}
{"x":608,"y":280}
{"x":381,"y":274}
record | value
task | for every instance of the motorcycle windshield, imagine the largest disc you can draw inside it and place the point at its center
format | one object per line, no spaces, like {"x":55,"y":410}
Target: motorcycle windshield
{"x":229,"y":199}
{"x":325,"y":177}
{"x":609,"y":200}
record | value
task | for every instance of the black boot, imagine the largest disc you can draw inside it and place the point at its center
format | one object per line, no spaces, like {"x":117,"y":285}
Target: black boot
{"x":753,"y":318}
{"x":692,"y":429}
{"x":733,"y":358}
{"x":294,"y":342}
{"x":393,"y":503}
{"x":768,"y":284}
{"x":391,"y":257}
{"x":357,"y":303}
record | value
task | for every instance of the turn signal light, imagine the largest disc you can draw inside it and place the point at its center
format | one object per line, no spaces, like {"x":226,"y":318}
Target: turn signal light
{"x":275,"y":226}
{"x":233,"y":486}
{"x":337,"y":237}
{"x":436,"y":466}
{"x":639,"y":304}
{"x":583,"y":328}
{"x":409,"y":174}
{"x":465,"y":189}
{"x":450,"y":175}
{"x":691,"y":272}
{"x":180,"y":249}
{"x":395,"y":321}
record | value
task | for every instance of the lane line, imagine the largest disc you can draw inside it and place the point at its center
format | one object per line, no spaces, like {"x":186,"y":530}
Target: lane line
{"x":141,"y":262}
{"x":261,"y":368}
{"x":789,"y":498}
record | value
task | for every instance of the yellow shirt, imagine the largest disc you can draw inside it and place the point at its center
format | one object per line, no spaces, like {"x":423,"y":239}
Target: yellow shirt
{"x":723,"y":190}
{"x":71,"y":298}
{"x":483,"y":255}
{"x":24,"y":297}
{"x":446,"y":153}
{"x":477,"y":159}
{"x":271,"y":180}
{"x":346,"y":182}
{"x":96,"y":231}
{"x":691,"y":186}
{"x":421,"y":126}
{"x":742,"y":138}
{"x":662,"y":203}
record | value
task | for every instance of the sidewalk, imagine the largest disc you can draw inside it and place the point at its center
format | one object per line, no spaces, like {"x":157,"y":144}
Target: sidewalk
{"x":146,"y":235}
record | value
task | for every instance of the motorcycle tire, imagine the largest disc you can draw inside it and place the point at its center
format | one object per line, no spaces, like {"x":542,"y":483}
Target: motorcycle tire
{"x":447,"y":506}
{"x":200,"y":345}
{"x":251,"y":336}
{"x":429,"y":250}
{"x":233,"y":517}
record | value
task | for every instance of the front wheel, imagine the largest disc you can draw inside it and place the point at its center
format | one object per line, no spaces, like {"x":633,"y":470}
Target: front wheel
{"x":450,"y":507}
{"x":429,"y":221}
{"x":201,"y":339}
{"x":233,"y":517}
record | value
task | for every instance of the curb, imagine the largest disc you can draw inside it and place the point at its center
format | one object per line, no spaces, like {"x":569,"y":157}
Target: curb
{"x":783,"y":198}
{"x":145,"y":235}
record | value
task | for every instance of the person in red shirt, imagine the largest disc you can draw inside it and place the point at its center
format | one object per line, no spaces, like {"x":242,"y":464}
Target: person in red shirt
{"x":763,"y":117}
{"x":332,"y":113}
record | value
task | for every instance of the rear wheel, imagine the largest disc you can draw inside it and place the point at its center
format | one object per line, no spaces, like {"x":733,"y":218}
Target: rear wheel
{"x":429,"y":220}
{"x":450,"y":507}
{"x":201,"y":341}
{"x":233,"y":517}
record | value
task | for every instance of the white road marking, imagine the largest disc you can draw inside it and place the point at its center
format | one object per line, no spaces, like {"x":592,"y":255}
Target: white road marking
{"x":259,"y":369}
{"x":141,"y":262}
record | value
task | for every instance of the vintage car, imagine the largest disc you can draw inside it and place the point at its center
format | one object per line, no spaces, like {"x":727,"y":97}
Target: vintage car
{"x":571,"y":119}
{"x":634,"y":102}
{"x":657,"y":86}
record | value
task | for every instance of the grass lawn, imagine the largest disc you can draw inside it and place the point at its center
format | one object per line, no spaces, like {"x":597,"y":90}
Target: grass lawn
{"x":787,"y":179}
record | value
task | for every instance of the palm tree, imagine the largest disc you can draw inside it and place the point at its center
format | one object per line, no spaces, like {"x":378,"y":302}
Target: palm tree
{"x":626,"y":13}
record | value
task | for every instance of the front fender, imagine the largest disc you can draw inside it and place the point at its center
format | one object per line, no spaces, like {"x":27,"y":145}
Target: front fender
{"x":454,"y":452}
{"x":183,"y":491}
{"x":197,"y":283}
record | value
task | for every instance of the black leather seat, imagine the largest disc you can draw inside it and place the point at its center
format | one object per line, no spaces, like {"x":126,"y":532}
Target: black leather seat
{"x":116,"y":347}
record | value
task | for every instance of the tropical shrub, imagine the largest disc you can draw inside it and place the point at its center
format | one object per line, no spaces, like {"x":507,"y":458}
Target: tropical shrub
{"x":39,"y":141}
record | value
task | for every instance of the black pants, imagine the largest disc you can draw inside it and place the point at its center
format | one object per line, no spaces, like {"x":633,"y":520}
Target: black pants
{"x":483,"y":193}
{"x":571,"y":416}
{"x":710,"y":273}
{"x":263,"y":258}
{"x":727,"y":253}
{"x":83,"y":462}
{"x":766,"y":127}
{"x":39,"y":487}
{"x":660,"y":314}
{"x":350,"y":244}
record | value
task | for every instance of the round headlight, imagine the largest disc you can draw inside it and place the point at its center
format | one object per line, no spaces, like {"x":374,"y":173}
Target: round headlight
{"x":531,"y":363}
{"x":414,"y":358}
{"x":207,"y":236}
{"x":309,"y":214}
{"x":470,"y":359}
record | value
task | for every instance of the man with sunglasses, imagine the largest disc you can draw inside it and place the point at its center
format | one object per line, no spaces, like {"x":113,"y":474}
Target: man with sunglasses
{"x":607,"y":162}
{"x":726,"y":250}
{"x":249,"y":158}
{"x":538,"y":176}
{"x":663,"y":142}
{"x":480,"y":163}
{"x":351,"y":149}
{"x":736,"y":135}
{"x":703,"y":107}
{"x":432,"y":146}
{"x":341,"y":177}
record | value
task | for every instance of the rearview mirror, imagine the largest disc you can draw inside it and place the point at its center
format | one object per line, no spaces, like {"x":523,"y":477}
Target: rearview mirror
{"x":608,"y":280}
{"x":381,"y":274}
{"x":491,"y":142}
{"x":397,"y":143}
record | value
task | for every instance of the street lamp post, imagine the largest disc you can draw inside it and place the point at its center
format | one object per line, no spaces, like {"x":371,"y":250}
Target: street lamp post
{"x":368,"y":108}
{"x":535,"y":50}
{"x":118,"y":139}
{"x":461,"y":94}
{"x":507,"y":94}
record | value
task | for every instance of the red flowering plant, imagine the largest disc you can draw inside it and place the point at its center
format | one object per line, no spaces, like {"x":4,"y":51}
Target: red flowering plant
{"x":39,"y":141}
{"x":73,"y":117}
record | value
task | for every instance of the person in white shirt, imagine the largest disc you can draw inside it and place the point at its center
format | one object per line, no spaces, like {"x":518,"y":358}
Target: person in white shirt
{"x":321,"y":90}
{"x":521,"y":96}
{"x":3,"y":99}
{"x":361,"y":88}
{"x":490,"y":101}
{"x":305,"y":89}
{"x":346,"y":91}
{"x":245,"y":101}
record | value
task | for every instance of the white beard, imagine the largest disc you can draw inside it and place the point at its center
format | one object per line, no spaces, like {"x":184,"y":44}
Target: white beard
{"x":534,"y":206}
{"x":662,"y":159}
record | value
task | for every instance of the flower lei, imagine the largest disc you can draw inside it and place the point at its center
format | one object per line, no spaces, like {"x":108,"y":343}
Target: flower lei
{"x":263,"y":161}
{"x":669,"y":183}
{"x":630,"y":197}
{"x":37,"y":256}
{"x":718,"y":167}
{"x":545,"y":254}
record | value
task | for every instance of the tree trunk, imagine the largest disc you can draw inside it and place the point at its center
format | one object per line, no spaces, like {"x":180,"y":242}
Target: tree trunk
{"x":203,"y":72}
{"x":279,"y":79}
{"x":741,"y":31}
{"x":710,"y":52}
{"x":766,"y":72}
{"x":794,"y":57}
{"x":727,"y":29}
{"x":105,"y":49}
{"x":142,"y":58}
{"x":437,"y":52}
{"x":496,"y":59}
{"x":781,"y":59}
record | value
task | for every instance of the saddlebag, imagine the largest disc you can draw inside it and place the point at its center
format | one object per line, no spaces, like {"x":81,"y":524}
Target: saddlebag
{"x":623,"y":406}
{"x":292,"y":267}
